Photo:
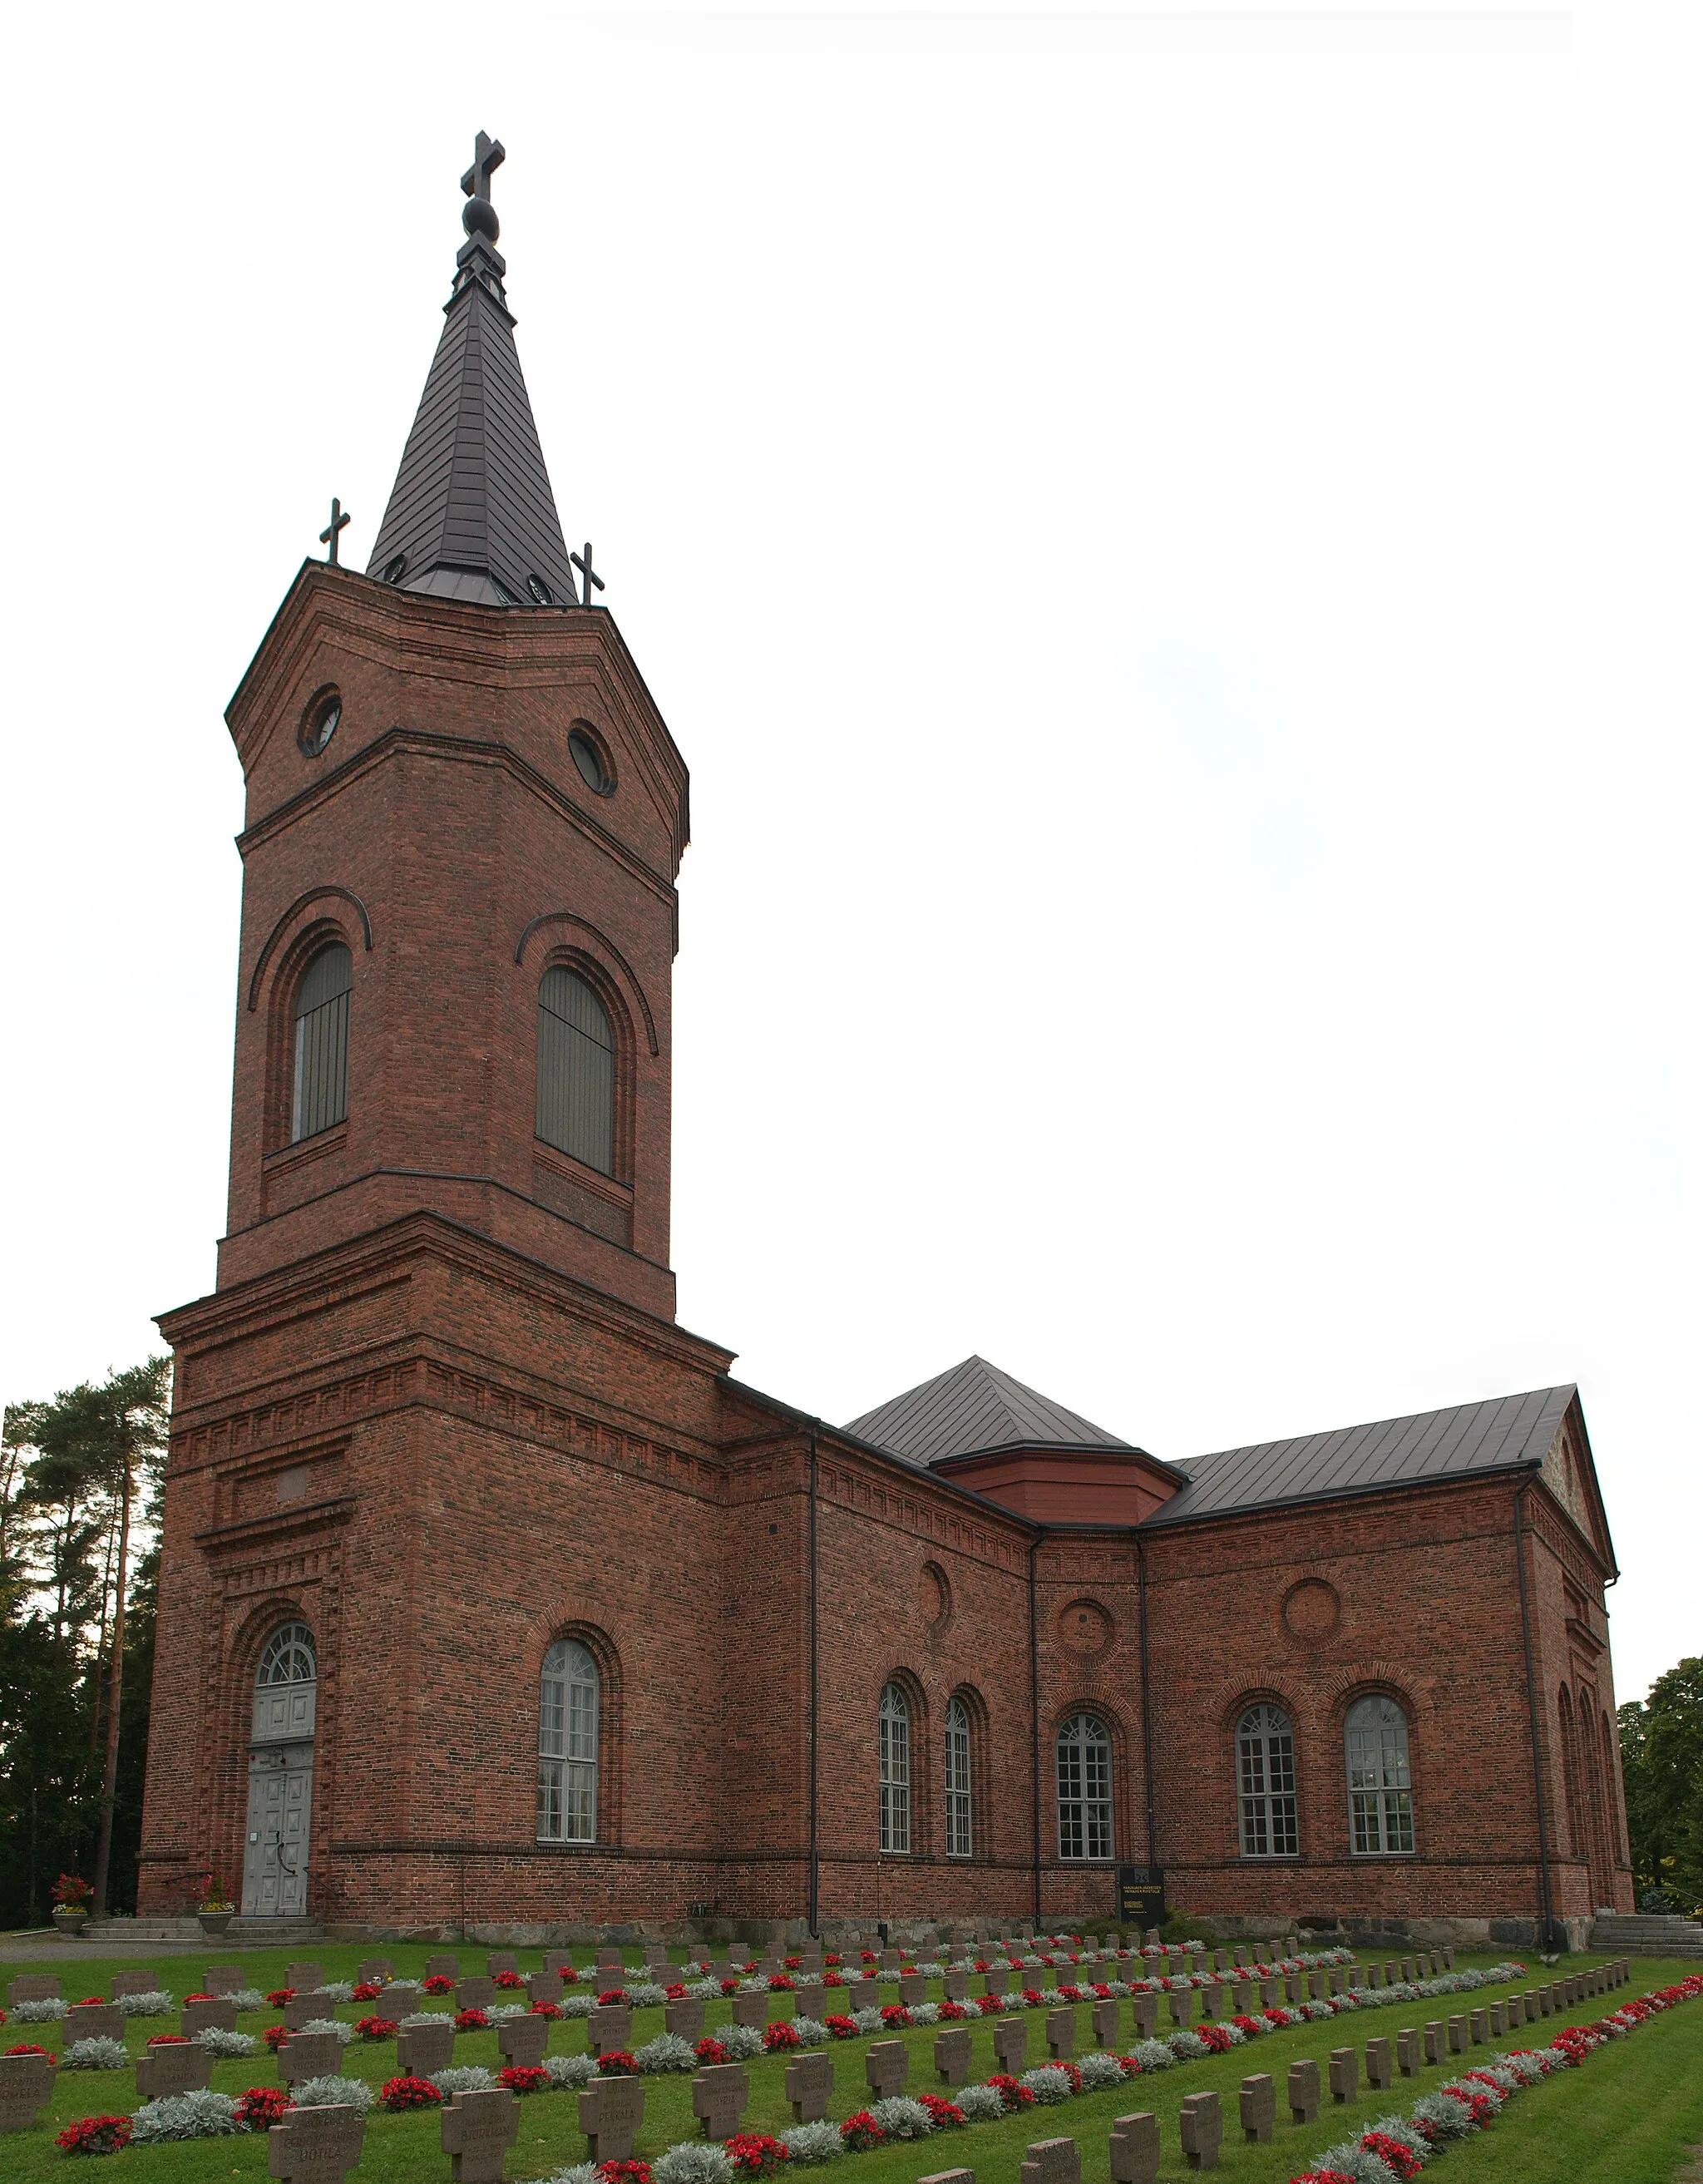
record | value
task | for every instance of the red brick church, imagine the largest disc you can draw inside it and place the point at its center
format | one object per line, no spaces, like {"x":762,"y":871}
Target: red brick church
{"x":492,"y":1596}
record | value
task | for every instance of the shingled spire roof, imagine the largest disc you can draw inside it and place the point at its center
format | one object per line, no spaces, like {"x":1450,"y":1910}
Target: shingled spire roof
{"x":471,"y":515}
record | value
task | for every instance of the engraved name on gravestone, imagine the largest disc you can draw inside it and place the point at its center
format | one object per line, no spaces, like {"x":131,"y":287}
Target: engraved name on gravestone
{"x":122,"y":1983}
{"x":886,"y":2065}
{"x":956,"y":1985}
{"x":93,"y":2021}
{"x":1303,"y":2092}
{"x":952,"y":2054}
{"x":26,"y":2086}
{"x":913,"y":1988}
{"x":521,"y":2041}
{"x":474,"y":1993}
{"x":1135,"y":2149}
{"x":315,"y":2146}
{"x":304,"y":1976}
{"x":1201,"y":2125}
{"x":306,"y":2055}
{"x":221,"y":1978}
{"x":1345,"y":2074}
{"x":1258,"y":2103}
{"x":611,"y":2112}
{"x":175,"y":2066}
{"x":810,"y":2084}
{"x":304,"y":2008}
{"x":422,"y":2050}
{"x":608,"y":2026}
{"x":373,"y":1971}
{"x":863,"y":1994}
{"x":1052,"y":2161}
{"x":1061,"y":2028}
{"x":684,"y":2018}
{"x":215,"y":2016}
{"x":447,"y":1968}
{"x":477,"y":2130}
{"x":750,"y":2009}
{"x":719,"y":2095}
{"x":1011,"y":2043}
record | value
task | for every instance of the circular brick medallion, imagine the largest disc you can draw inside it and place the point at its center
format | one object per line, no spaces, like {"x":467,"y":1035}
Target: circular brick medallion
{"x":1312,"y":1610}
{"x":933,"y":1593}
{"x":1085,"y":1627}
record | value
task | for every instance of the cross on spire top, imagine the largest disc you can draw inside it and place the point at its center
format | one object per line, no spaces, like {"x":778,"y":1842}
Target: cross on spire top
{"x":328,"y":536}
{"x":479,"y":216}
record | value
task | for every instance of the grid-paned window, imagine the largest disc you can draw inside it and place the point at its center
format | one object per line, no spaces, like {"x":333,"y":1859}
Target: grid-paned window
{"x":1084,"y":1757}
{"x":568,"y":1744}
{"x":576,"y":1070}
{"x":321,"y":1060}
{"x":1380,"y":1792}
{"x":1266,"y":1766}
{"x":895,"y":1769}
{"x":959,"y":1835}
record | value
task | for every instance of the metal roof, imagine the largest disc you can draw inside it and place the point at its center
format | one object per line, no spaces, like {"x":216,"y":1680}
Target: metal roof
{"x":1497,"y":1435}
{"x":972,"y":1409}
{"x":472,"y":513}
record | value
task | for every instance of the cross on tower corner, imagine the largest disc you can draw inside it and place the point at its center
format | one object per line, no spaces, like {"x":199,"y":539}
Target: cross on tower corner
{"x":328,"y":536}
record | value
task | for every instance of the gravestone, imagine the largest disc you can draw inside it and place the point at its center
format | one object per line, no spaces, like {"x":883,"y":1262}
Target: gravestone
{"x":422,"y":2050}
{"x":1202,"y":2128}
{"x":501,"y":1960}
{"x":610,"y":1960}
{"x":1221,"y":1960}
{"x":373,"y":1971}
{"x":474,"y":1993}
{"x":1011,"y":2043}
{"x":810,"y":1965}
{"x":810,"y":2086}
{"x":26,"y":2086}
{"x":1407,"y":2055}
{"x":1303,"y":2092}
{"x":1241,"y":1957}
{"x":1356,"y":1977}
{"x":950,"y":2176}
{"x":655,"y":1956}
{"x":719,"y":2095}
{"x":477,"y":2130}
{"x":955,"y":1986}
{"x":1499,"y":2020}
{"x":611,"y":2111}
{"x":685,"y":2019}
{"x":1294,"y":1986}
{"x":1449,"y":1956}
{"x":864,"y":1994}
{"x":316,"y":2146}
{"x":522,"y":2041}
{"x":1479,"y":2023}
{"x":1409,"y":1971}
{"x":751,"y":2009}
{"x":1180,"y":2001}
{"x":1259,"y":2106}
{"x":1334,"y":1979}
{"x":302,"y":2008}
{"x":1211,"y":2001}
{"x":721,"y":1968}
{"x":447,"y":1968}
{"x":810,"y":1999}
{"x":1060,"y":2029}
{"x":122,"y":1983}
{"x":1380,"y":2066}
{"x":400,"y":1999}
{"x":304,"y":1976}
{"x":1105,"y":2023}
{"x":1436,"y":2041}
{"x":886,"y":2065}
{"x":1135,"y":2149}
{"x":913,"y":1988}
{"x":218,"y":2015}
{"x":1145,"y":2009}
{"x":1374,"y":1974}
{"x":1392,"y":1974}
{"x":1242,"y":1994}
{"x":306,"y":2055}
{"x":992,"y":1982}
{"x":93,"y":2021}
{"x":543,"y":1986}
{"x":1457,"y":2036}
{"x":1514,"y":2010}
{"x":608,"y":2026}
{"x":1271,"y":1993}
{"x":952,"y":2054}
{"x":173,"y":2067}
{"x":1345,"y":2074}
{"x":1052,"y":2161}
{"x":558,"y":1961}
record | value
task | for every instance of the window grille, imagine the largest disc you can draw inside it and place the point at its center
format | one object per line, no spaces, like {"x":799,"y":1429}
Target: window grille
{"x":959,"y":1838}
{"x":1084,"y":1757}
{"x":576,"y":1070}
{"x":1380,"y":1794}
{"x":322,"y":1089}
{"x":1266,"y":1757}
{"x":568,"y":1744}
{"x":288,"y":1657}
{"x":895,"y":1769}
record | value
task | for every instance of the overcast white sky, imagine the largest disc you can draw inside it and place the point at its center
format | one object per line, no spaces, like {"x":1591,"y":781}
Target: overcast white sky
{"x":1170,"y":543}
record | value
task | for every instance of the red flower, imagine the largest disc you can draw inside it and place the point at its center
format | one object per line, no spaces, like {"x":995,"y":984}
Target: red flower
{"x":570,"y":1976}
{"x":1130,"y":2066}
{"x":730,"y":1986}
{"x":778,"y":2036}
{"x":168,"y":2040}
{"x":619,"y":1994}
{"x":1393,"y":2153}
{"x":471,"y":2021}
{"x":795,"y":1964}
{"x":676,"y":1990}
{"x":982,"y":1965}
{"x":104,"y":2134}
{"x":780,"y":1984}
{"x":397,"y":2094}
{"x":1215,"y":2038}
{"x":625,"y":2172}
{"x":71,"y":1894}
{"x":99,"y":2001}
{"x":616,"y":2063}
{"x":26,"y":2049}
{"x":544,"y":2009}
{"x":274,"y":2035}
{"x":509,"y":1979}
{"x":210,"y":1997}
{"x":710,"y":2051}
{"x":831,"y":1961}
{"x":522,"y":2077}
{"x":261,"y":2107}
{"x":990,"y":2005}
{"x":833,"y":1978}
{"x":368,"y":1991}
{"x":894,"y":2015}
{"x":377,"y":2028}
{"x":951,"y":2011}
{"x":1013,"y":2093}
{"x":280,"y":1995}
{"x":841,"y":2028}
{"x":944,"y":2115}
{"x":435,"y":1985}
{"x":870,"y":1957}
{"x":861,"y":2131}
{"x":755,"y":2152}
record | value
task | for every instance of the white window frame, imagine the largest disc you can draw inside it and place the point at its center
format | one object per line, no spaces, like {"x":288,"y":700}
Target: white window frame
{"x":1380,"y":1781}
{"x":894,"y":1770}
{"x":960,"y":1835}
{"x":570,"y":1709}
{"x":1266,"y":1782}
{"x":1082,"y":1751}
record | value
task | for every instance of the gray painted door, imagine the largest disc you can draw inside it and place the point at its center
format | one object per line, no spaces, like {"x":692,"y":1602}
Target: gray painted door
{"x":275,"y":1865}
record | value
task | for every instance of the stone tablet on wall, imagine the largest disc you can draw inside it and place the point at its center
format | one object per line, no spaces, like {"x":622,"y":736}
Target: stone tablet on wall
{"x":810,"y":2086}
{"x":1135,"y":2149}
{"x":175,"y":2066}
{"x":477,"y":2130}
{"x":316,"y":2146}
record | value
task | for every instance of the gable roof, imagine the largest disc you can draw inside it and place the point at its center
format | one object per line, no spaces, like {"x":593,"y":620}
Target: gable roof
{"x":972,"y":1409}
{"x":1506,"y":1433}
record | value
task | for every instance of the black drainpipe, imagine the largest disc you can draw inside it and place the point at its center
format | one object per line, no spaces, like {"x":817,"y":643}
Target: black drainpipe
{"x":1146,"y":1698}
{"x":816,"y":1849}
{"x":1547,"y":1897}
{"x":1035,"y":1728}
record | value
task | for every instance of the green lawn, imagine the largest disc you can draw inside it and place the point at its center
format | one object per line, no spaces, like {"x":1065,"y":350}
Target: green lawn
{"x":1624,"y":2118}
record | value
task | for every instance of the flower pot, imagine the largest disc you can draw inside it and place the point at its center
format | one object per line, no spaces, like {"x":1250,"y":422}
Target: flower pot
{"x":70,"y":1922}
{"x":213,"y":1923}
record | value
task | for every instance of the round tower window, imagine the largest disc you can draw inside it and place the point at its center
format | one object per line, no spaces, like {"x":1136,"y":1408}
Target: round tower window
{"x":396,"y":569}
{"x":541,"y":591}
{"x":320,"y":722}
{"x":589,"y":760}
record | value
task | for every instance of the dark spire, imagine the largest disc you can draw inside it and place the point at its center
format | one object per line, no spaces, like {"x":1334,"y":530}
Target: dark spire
{"x":471,"y":515}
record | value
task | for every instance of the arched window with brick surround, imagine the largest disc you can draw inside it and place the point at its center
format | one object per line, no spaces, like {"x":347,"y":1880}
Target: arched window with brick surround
{"x":895,"y":1769}
{"x":1380,"y":1788}
{"x":1083,"y":1752}
{"x":961,"y":1834}
{"x":567,"y":1707}
{"x":1265,"y":1774}
{"x":320,"y":1059}
{"x":576,"y":1070}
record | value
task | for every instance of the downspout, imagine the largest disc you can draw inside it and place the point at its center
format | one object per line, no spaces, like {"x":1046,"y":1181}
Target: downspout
{"x":1146,"y":1700}
{"x":816,"y":1906}
{"x":1035,"y":1731}
{"x":1547,"y":1898}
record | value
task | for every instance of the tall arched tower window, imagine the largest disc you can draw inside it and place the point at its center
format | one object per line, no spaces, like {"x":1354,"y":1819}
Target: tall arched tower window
{"x":1266,"y":1763}
{"x":576,"y":1070}
{"x":1380,"y":1791}
{"x":959,"y":1835}
{"x":320,"y":1064}
{"x":568,"y":1744}
{"x":1084,"y":1759}
{"x":895,"y":1769}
